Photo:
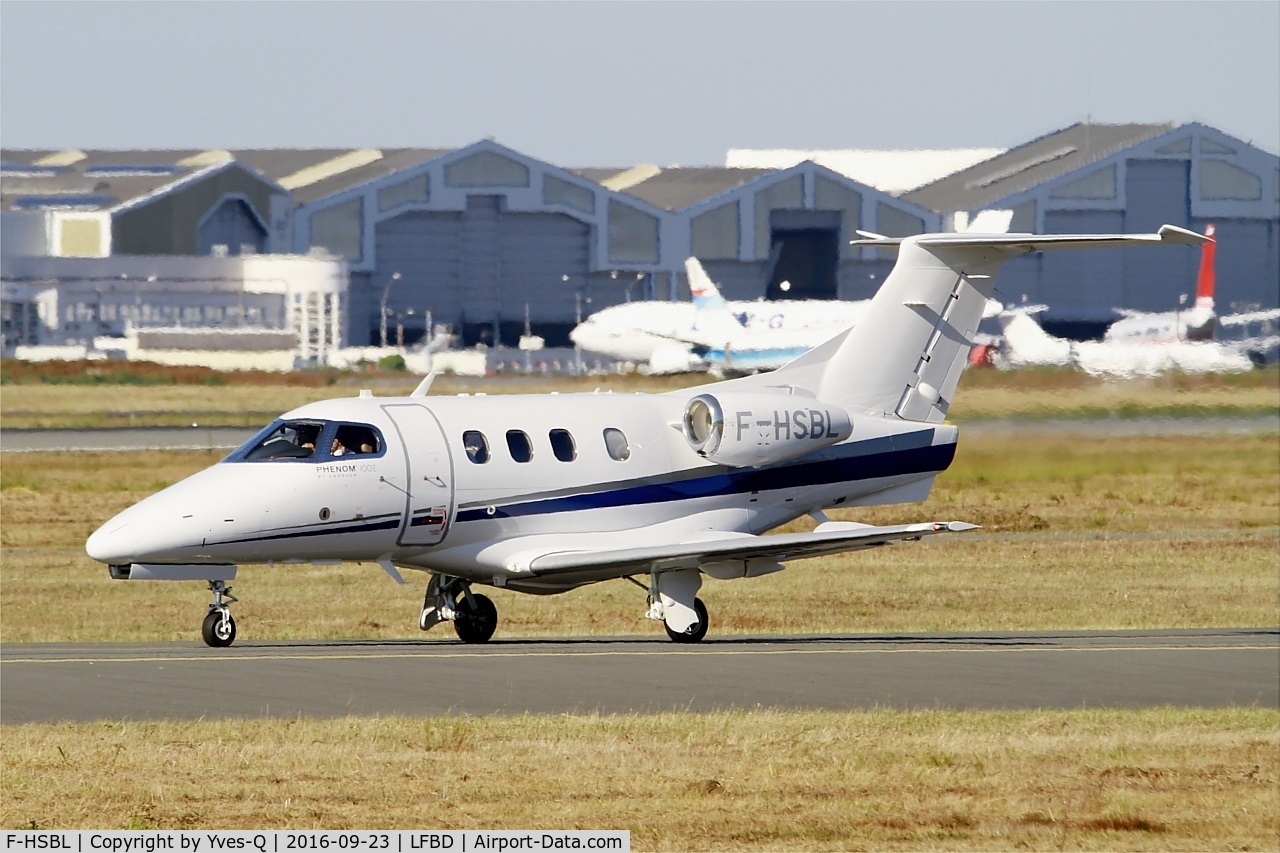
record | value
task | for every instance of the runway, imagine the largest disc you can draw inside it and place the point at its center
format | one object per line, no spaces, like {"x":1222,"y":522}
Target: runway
{"x":1127,"y":669}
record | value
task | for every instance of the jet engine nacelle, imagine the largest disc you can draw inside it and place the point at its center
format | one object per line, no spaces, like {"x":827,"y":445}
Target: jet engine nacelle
{"x":750,"y":430}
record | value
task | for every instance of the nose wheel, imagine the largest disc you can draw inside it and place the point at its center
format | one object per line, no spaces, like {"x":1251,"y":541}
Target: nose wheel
{"x":219,"y":629}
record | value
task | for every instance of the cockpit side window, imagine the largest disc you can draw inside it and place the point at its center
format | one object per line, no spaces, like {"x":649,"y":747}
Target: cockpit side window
{"x":316,"y":441}
{"x":289,"y":440}
{"x":355,"y":440}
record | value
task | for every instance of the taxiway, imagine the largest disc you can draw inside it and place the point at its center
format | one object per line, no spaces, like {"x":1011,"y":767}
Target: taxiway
{"x":1201,"y":668}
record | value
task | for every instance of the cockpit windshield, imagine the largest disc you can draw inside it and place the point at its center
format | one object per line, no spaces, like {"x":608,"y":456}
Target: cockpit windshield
{"x":310,"y":440}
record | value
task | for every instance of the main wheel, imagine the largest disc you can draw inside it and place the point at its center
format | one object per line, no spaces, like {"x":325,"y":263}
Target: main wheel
{"x":695,"y":632}
{"x":477,"y":619}
{"x":217,"y":632}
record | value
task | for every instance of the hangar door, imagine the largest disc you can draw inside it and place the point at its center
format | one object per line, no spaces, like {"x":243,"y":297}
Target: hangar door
{"x":424,"y":248}
{"x":806,"y":246}
{"x":1158,"y":192}
{"x":477,"y":269}
{"x":1079,"y":286}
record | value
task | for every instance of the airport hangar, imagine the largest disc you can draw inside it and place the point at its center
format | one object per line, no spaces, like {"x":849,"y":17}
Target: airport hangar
{"x":485,"y":238}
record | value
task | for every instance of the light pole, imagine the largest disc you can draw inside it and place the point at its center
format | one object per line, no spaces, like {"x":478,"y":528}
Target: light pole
{"x":382,"y":315}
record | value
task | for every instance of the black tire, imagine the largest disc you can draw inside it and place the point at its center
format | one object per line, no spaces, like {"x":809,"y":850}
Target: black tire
{"x":697,"y":630}
{"x":477,"y":619}
{"x":214,"y":632}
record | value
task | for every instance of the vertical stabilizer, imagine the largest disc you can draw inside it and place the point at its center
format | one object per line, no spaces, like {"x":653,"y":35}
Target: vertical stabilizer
{"x":907,"y":352}
{"x":1205,"y":280}
{"x":713,"y":322}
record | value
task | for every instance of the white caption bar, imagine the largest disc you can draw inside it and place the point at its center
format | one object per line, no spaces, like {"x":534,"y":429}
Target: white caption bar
{"x":307,"y":841}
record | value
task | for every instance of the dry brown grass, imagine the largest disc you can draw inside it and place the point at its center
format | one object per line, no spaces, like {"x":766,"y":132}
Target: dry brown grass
{"x":248,"y":400}
{"x":1111,"y":533}
{"x":1160,"y":779}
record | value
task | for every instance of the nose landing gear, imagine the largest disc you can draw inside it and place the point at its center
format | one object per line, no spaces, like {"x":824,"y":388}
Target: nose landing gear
{"x":219,"y":629}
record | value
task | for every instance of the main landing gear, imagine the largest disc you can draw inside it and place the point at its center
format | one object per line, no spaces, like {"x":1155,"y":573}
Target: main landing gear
{"x":673,"y":602}
{"x":695,"y":632}
{"x":450,"y":599}
{"x":219,"y":629}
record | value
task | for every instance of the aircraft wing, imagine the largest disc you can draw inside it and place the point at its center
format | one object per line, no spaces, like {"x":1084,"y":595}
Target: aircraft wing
{"x":828,"y":538}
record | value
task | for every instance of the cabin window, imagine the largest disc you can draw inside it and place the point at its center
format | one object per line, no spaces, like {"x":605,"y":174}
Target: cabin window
{"x":562,"y":445}
{"x":477,"y":446}
{"x":518,"y":444}
{"x":616,"y":443}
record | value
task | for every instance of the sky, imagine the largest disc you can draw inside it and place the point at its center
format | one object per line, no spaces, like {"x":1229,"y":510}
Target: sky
{"x":616,"y":83}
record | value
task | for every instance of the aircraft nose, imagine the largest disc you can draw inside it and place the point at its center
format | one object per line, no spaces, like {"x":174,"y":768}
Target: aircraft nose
{"x":104,"y":545}
{"x":151,"y":531}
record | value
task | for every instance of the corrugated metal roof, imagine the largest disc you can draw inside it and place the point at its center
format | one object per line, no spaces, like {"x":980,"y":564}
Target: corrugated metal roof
{"x":50,"y":178}
{"x":599,"y":174}
{"x":679,"y":187}
{"x":1019,"y":169}
{"x":893,"y":172}
{"x":392,"y":160}
{"x":103,"y":179}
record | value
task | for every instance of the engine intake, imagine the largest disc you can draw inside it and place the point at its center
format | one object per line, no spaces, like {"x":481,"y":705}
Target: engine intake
{"x":750,"y":430}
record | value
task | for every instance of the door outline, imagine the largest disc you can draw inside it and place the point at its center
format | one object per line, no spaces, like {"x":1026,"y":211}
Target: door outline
{"x":428,"y":466}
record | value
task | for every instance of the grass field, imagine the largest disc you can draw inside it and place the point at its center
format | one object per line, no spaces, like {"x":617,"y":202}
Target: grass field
{"x":1108,"y":533}
{"x":1162,"y":779}
{"x":1104,"y":533}
{"x":170,"y":397}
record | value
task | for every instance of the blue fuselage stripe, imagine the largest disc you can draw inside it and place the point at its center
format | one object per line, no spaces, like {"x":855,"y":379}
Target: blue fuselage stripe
{"x":916,"y":460}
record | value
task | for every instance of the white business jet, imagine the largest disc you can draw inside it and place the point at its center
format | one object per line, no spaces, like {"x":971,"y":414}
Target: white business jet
{"x":546,"y":493}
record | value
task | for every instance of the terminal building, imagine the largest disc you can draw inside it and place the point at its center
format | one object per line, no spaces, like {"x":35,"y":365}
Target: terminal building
{"x":497,"y":244}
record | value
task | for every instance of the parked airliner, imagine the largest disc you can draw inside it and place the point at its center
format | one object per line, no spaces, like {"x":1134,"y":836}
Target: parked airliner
{"x":1138,"y":345}
{"x":711,"y":332}
{"x":546,"y":493}
{"x":1196,"y":323}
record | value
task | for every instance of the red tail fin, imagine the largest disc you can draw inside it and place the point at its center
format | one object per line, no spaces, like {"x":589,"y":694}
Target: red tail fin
{"x":1204,"y":284}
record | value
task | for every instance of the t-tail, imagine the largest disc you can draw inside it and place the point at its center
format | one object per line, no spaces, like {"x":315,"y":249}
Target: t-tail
{"x":905,"y":356}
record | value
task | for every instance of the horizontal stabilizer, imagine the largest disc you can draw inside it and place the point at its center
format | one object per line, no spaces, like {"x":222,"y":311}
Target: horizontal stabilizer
{"x":913,"y":340}
{"x":1167,"y":235}
{"x":779,"y":548}
{"x":1272,"y":315}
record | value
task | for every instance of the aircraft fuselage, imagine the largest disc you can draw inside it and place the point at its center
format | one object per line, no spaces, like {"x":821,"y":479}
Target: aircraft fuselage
{"x":465,"y":485}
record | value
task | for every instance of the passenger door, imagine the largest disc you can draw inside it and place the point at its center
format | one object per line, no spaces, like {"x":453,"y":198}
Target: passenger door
{"x":428,"y":481}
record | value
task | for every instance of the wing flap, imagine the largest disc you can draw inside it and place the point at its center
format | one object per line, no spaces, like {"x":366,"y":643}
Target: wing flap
{"x":830,"y":538}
